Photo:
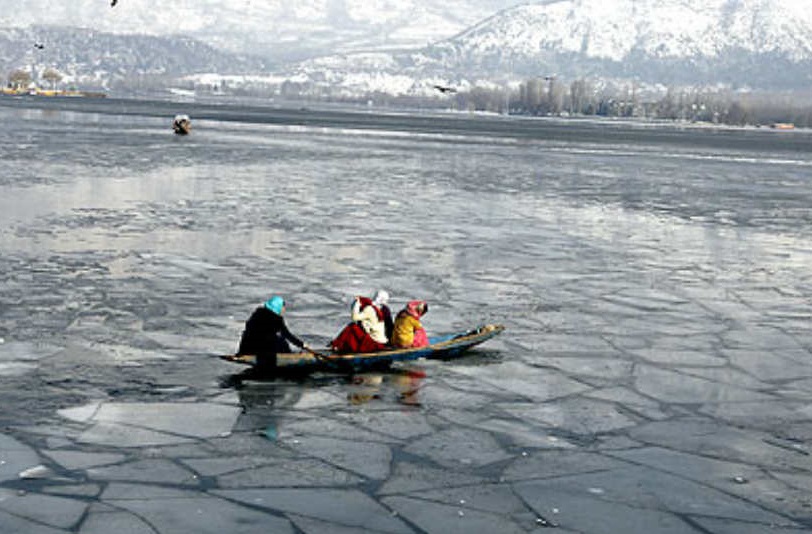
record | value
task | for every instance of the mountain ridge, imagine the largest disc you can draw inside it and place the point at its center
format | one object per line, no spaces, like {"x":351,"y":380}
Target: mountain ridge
{"x":726,"y":43}
{"x":730,"y":43}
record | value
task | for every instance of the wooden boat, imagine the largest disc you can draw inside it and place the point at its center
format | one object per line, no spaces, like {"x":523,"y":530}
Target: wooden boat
{"x":440,"y":347}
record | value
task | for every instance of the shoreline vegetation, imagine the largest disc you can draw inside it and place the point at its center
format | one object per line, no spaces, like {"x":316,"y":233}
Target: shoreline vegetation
{"x":681,"y":111}
{"x":540,"y":98}
{"x":36,"y":91}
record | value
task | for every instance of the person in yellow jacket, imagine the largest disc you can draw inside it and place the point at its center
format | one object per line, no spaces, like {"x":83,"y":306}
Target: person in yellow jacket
{"x":408,"y":331}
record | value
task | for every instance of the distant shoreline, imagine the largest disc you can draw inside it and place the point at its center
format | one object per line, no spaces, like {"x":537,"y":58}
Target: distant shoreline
{"x":587,"y":129}
{"x":6,"y":91}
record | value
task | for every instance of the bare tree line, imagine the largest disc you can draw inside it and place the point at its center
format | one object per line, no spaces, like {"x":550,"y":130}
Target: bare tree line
{"x":548,"y":96}
{"x":543,"y":96}
{"x":22,"y":79}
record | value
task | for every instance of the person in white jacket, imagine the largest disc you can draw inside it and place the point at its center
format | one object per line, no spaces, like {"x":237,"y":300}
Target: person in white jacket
{"x":371,"y":318}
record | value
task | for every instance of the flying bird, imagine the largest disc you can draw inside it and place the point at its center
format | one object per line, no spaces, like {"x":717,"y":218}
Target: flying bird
{"x":445,"y":89}
{"x":113,"y":3}
{"x":39,"y":46}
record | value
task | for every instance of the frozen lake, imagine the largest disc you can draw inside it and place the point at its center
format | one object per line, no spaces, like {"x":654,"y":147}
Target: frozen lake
{"x":655,"y":281}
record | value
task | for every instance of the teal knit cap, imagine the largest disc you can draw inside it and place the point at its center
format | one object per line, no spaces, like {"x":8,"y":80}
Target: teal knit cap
{"x":275,"y":304}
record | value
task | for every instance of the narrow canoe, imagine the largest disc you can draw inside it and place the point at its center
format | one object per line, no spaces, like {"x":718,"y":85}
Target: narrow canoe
{"x":444,"y":346}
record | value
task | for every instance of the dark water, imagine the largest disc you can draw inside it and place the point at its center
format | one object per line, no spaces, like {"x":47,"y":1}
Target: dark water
{"x":655,"y":282}
{"x":137,"y":245}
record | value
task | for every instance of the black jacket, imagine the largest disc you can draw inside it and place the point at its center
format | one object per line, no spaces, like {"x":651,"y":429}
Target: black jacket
{"x":265,"y":333}
{"x":389,"y":325}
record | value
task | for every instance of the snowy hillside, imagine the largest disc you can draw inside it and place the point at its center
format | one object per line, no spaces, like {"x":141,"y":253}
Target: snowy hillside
{"x":355,"y":47}
{"x":98,"y":60}
{"x":734,"y":43}
{"x":276,"y":29}
{"x":617,"y":29}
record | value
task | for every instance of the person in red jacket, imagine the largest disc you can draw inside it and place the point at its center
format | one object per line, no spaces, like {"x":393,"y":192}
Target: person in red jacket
{"x":366,"y":332}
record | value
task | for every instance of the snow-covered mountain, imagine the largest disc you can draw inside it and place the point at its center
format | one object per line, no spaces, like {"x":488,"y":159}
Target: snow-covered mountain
{"x":668,"y":29}
{"x":738,"y":43}
{"x":746,"y":42}
{"x":276,"y":29}
{"x":93,"y":59}
{"x":406,"y":46}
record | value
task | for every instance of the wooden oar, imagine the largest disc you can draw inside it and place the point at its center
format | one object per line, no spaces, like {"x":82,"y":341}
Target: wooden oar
{"x":331,"y":361}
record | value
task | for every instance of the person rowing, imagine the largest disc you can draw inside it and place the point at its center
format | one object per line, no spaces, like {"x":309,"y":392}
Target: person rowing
{"x":266,"y":334}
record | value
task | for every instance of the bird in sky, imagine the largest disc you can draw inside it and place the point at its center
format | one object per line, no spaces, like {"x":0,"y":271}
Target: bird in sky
{"x":39,"y":46}
{"x":113,"y":3}
{"x":445,"y":89}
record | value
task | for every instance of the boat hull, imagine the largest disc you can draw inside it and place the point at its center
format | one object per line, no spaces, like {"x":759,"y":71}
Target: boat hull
{"x":440,"y":347}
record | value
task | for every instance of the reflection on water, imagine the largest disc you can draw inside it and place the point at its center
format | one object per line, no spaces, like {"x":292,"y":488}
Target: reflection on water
{"x":402,"y":387}
{"x":268,"y":404}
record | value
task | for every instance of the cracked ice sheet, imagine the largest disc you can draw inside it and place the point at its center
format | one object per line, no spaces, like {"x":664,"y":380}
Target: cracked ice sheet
{"x":350,"y":508}
{"x":102,"y":519}
{"x":644,"y":488}
{"x":75,"y":460}
{"x":438,"y":518}
{"x":408,"y":477}
{"x":329,"y":427}
{"x":492,"y":498}
{"x":292,"y":473}
{"x":13,"y":524}
{"x":397,"y":424}
{"x":586,"y":513}
{"x":775,"y":414}
{"x":142,"y":424}
{"x":729,"y":526}
{"x":768,"y":364}
{"x":18,"y":358}
{"x":770,"y":489}
{"x":674,"y":387}
{"x":713,"y":439}
{"x":522,"y":434}
{"x":553,"y":464}
{"x":58,"y":512}
{"x":576,"y":415}
{"x":156,"y":471}
{"x":16,"y":351}
{"x":457,"y":447}
{"x":16,"y":368}
{"x":202,"y":514}
{"x":365,"y":458}
{"x":521,"y":379}
{"x":630,"y":400}
{"x":603,"y":366}
{"x":15,"y":458}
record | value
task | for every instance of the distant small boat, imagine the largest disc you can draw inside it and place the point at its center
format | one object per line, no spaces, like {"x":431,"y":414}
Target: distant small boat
{"x":783,"y":126}
{"x":182,"y":124}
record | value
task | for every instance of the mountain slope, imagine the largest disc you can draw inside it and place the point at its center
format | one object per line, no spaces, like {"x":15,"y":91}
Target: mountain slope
{"x":735,"y":43}
{"x":274,"y":28}
{"x":761,"y":42}
{"x":89,"y":57}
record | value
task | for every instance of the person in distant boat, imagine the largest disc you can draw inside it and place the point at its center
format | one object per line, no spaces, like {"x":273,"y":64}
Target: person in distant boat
{"x":266,"y":334}
{"x":371,"y":319}
{"x":408,"y":331}
{"x":182,"y":124}
{"x":381,"y":300}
